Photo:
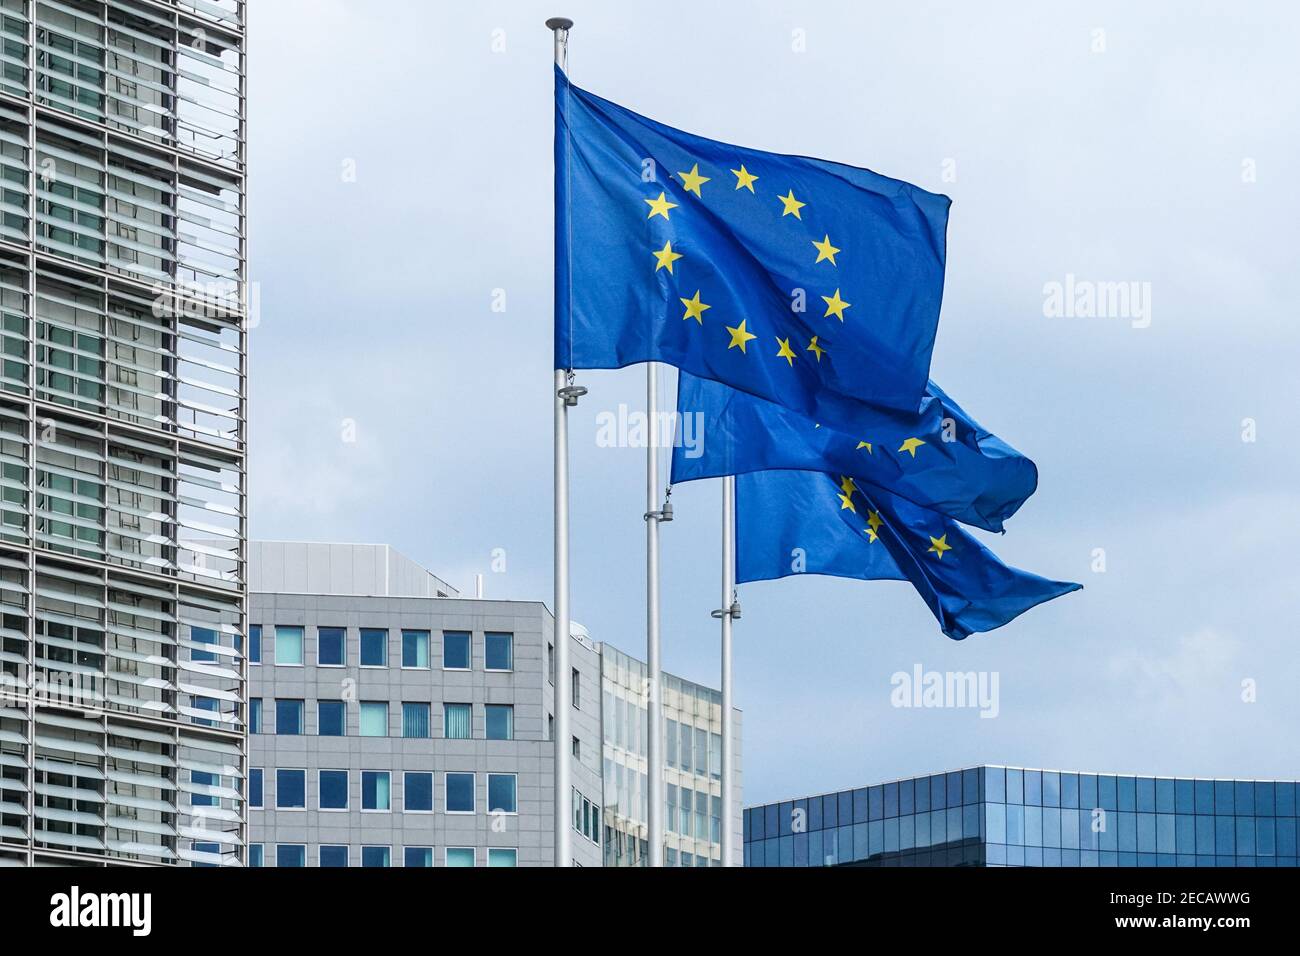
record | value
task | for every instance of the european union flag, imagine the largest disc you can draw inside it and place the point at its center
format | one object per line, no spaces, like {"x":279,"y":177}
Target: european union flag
{"x":939,"y":457}
{"x":809,"y":283}
{"x":792,"y":522}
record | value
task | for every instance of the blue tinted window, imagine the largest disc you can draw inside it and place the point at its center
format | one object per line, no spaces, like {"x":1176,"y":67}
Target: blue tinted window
{"x":1184,"y":796}
{"x":1165,"y":795}
{"x":970,"y":785}
{"x":1033,"y":788}
{"x":255,"y":643}
{"x":330,"y":646}
{"x":255,"y":715}
{"x":770,"y":825}
{"x":455,"y":650}
{"x":205,"y":780}
{"x":1146,"y":794}
{"x":374,"y":647}
{"x":1265,"y":836}
{"x":1245,"y":836}
{"x":502,"y":797}
{"x":875,"y":803}
{"x":333,"y":856}
{"x":995,"y":785}
{"x":814,"y":815}
{"x":418,"y":788}
{"x":290,"y":789}
{"x":1069,"y":790}
{"x":415,"y":648}
{"x":1204,"y":834}
{"x":1204,"y":798}
{"x":891,"y":799}
{"x":830,"y":812}
{"x":954,"y":789}
{"x":1088,"y":791}
{"x":333,"y":789}
{"x":906,"y":797}
{"x":288,"y":717}
{"x":1126,"y":788}
{"x":291,"y":854}
{"x":460,"y":793}
{"x":202,"y":635}
{"x":499,"y":721}
{"x":1146,"y":832}
{"x":1225,"y":835}
{"x":331,"y":718}
{"x":415,"y":719}
{"x":845,"y":801}
{"x":921,"y":788}
{"x":1244,"y":797}
{"x":1284,"y":795}
{"x":1106,"y":792}
{"x":374,"y":856}
{"x":1051,"y":788}
{"x":1264,"y":799}
{"x":1223,"y":802}
{"x":255,"y":857}
{"x":938,"y":797}
{"x":498,"y":651}
{"x":417,"y":856}
{"x":255,"y":787}
{"x":376,"y":790}
{"x":861,"y":813}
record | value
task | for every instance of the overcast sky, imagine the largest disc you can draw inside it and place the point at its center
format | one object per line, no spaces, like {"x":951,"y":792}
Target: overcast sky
{"x":400,"y":173}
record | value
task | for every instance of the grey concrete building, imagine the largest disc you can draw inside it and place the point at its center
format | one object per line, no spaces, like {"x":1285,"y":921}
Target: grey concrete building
{"x":396,"y":723}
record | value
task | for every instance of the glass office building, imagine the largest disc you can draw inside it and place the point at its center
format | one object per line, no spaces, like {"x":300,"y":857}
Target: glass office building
{"x":122,"y":384}
{"x":1010,"y":816}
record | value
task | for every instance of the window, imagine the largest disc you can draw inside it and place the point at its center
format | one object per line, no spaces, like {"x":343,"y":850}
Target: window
{"x":255,"y":643}
{"x":333,"y":856}
{"x":501,"y":857}
{"x":333,"y":789}
{"x":455,"y":650}
{"x":417,"y":856}
{"x":291,"y":790}
{"x":374,"y":718}
{"x":576,"y":689}
{"x":255,"y":715}
{"x":418,"y":792}
{"x":331,"y":718}
{"x":202,"y":779}
{"x":375,"y":856}
{"x":456,"y":721}
{"x":550,"y":663}
{"x":415,"y":720}
{"x":375,"y":790}
{"x":460,"y":856}
{"x":500,"y":719}
{"x":288,"y":718}
{"x":202,"y":635}
{"x":498,"y":651}
{"x":255,"y":787}
{"x":330,"y":646}
{"x":576,"y":747}
{"x":501,"y":791}
{"x":288,"y":646}
{"x":290,"y":854}
{"x":460,"y":793}
{"x":213,"y":849}
{"x":374,"y":647}
{"x":255,"y":857}
{"x":415,"y":648}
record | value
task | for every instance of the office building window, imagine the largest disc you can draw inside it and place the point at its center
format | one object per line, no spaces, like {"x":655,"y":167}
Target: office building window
{"x":202,"y":635}
{"x":374,"y":647}
{"x":550,"y":726}
{"x":288,"y":718}
{"x":418,"y":792}
{"x":455,"y":650}
{"x":333,"y":856}
{"x":374,"y":718}
{"x":333,"y":789}
{"x":576,"y":748}
{"x":291,"y":789}
{"x":460,"y":793}
{"x":255,"y":858}
{"x":255,"y":715}
{"x":331,"y":644}
{"x":415,"y":649}
{"x":715,"y":756}
{"x":498,"y":856}
{"x":550,"y":663}
{"x":255,"y":643}
{"x":498,"y":651}
{"x":670,"y":742}
{"x":375,"y":855}
{"x":203,"y":780}
{"x":375,"y":792}
{"x":290,"y":854}
{"x":456,"y":721}
{"x":288,"y":646}
{"x":501,"y":791}
{"x":331,"y":718}
{"x":415,"y":720}
{"x":460,"y":856}
{"x":500,"y":721}
{"x":575,"y":688}
{"x":417,"y":856}
{"x":255,"y":787}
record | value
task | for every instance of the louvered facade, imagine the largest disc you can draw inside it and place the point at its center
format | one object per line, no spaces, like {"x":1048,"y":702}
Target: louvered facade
{"x":123,"y":322}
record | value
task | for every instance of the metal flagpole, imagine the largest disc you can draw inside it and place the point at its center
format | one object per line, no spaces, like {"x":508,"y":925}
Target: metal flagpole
{"x":566,"y":395}
{"x":654,"y":717}
{"x":730,"y":611}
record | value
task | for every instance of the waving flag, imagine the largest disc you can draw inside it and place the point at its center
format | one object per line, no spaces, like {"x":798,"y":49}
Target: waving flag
{"x":792,"y":522}
{"x":939,"y":457}
{"x":811,"y":284}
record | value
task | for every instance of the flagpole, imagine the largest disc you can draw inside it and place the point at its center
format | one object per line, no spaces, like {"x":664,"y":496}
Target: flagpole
{"x":654,"y":717}
{"x":566,"y":394}
{"x":730,"y":610}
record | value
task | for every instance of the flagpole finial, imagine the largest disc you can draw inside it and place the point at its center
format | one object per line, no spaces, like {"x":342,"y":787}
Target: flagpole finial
{"x":559,"y":23}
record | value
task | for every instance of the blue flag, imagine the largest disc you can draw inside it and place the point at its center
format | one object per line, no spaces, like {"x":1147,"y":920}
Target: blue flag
{"x":809,"y":283}
{"x":939,"y":458}
{"x":792,"y":522}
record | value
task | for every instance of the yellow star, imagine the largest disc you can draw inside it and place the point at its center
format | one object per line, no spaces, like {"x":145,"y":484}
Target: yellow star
{"x":847,"y":486}
{"x":867,"y":446}
{"x":784,"y":351}
{"x":692,"y":181}
{"x":666,"y":257}
{"x":871,"y":535}
{"x":834,"y":304}
{"x":846,"y":501}
{"x":825,"y":251}
{"x":739,"y":337}
{"x":695,"y":308}
{"x":659,"y":207}
{"x":792,"y":205}
{"x":873,"y":519}
{"x":815,"y":348}
{"x":910,"y":445}
{"x":744,"y":178}
{"x":939,"y":546}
